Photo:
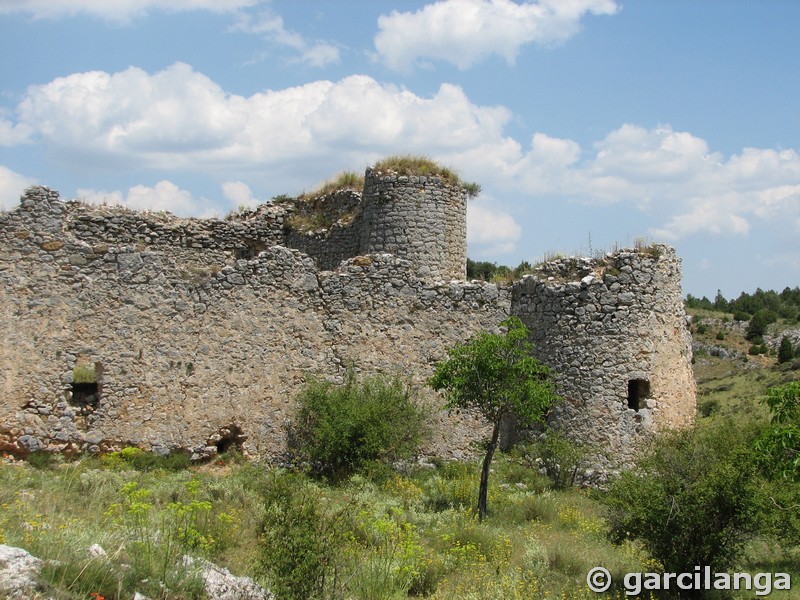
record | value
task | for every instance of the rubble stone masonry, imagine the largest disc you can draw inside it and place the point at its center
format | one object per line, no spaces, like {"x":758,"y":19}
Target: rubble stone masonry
{"x":134,"y":328}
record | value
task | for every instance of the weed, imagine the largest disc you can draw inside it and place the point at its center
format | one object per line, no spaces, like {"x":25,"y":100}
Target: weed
{"x":407,"y":164}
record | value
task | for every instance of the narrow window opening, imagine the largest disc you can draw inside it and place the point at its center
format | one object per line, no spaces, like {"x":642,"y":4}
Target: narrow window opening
{"x":86,"y":387}
{"x":638,"y":392}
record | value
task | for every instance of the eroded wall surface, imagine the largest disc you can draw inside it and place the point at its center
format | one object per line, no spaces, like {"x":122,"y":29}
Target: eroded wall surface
{"x":192,"y":345}
{"x":615,"y":333}
{"x":123,"y":328}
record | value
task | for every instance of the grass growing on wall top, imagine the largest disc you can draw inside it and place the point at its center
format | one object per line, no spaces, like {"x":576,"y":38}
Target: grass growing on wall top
{"x":346,"y":180}
{"x":409,"y":164}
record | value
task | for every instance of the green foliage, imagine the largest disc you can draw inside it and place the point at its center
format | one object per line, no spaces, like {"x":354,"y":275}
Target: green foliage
{"x":342,"y":429}
{"x":84,"y":374}
{"x":488,"y":271}
{"x":759,"y":323}
{"x":137,"y":459}
{"x":692,"y":500}
{"x":496,"y":375}
{"x":346,"y":180}
{"x":560,"y":457}
{"x":785,"y":350}
{"x":785,"y":304}
{"x":156,"y":537}
{"x":778,"y":449}
{"x":301,"y":538}
{"x":382,"y":542}
{"x":43,"y":460}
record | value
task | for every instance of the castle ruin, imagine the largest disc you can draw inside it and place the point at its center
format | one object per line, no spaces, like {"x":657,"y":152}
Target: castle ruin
{"x":139,"y":328}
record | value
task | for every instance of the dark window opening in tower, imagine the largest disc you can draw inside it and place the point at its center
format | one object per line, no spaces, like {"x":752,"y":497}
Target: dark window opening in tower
{"x":86,"y":387}
{"x":638,"y":392}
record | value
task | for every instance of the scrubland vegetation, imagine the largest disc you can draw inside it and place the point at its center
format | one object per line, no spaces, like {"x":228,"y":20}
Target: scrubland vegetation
{"x":357,"y":517}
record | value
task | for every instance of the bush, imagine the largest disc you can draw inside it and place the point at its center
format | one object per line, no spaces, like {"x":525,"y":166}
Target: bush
{"x":785,"y":351}
{"x":759,"y":323}
{"x":692,"y":500}
{"x":139,"y":460}
{"x":560,"y":457}
{"x":301,"y":539}
{"x":343,"y":429}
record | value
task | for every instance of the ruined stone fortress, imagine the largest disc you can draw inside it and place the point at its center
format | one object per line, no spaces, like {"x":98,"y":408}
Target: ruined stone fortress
{"x":139,"y":328}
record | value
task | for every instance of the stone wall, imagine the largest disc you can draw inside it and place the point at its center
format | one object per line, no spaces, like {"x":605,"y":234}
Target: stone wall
{"x":615,"y":333}
{"x":123,"y":328}
{"x":192,"y":347}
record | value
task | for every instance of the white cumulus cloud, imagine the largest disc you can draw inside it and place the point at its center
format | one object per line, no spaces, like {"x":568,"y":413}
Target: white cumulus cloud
{"x":165,"y":195}
{"x":271,"y":27}
{"x":179,"y":118}
{"x":671,"y":175}
{"x":493,"y":230}
{"x":114,"y":10}
{"x":464,"y":32}
{"x":11,"y":187}
{"x":239,"y":194}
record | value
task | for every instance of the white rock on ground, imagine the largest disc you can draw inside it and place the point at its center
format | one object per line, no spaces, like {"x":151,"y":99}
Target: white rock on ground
{"x":221,"y":584}
{"x":18,"y":572}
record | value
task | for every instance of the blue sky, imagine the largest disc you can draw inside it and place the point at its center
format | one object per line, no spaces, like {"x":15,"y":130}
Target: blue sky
{"x":588,"y":123}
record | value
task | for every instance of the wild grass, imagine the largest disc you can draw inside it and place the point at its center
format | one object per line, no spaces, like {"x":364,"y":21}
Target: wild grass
{"x":414,"y":534}
{"x":346,"y":180}
{"x":400,"y":535}
{"x":409,"y":164}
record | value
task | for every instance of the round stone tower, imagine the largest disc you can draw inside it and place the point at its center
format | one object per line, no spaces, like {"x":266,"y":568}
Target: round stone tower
{"x":615,"y":333}
{"x":420,"y":218}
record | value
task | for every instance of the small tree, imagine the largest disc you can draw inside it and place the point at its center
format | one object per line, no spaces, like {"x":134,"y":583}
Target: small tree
{"x":785,"y":351}
{"x":496,"y":375}
{"x":778,"y":450}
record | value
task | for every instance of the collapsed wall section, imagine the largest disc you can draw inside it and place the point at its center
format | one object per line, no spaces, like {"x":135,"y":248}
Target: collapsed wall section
{"x":615,"y":333}
{"x":326,"y":227}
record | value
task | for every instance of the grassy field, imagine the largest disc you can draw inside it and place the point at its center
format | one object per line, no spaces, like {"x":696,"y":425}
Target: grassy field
{"x":394,"y":535}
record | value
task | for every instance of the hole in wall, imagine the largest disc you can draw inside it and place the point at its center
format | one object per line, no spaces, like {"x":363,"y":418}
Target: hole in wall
{"x":638,"y":392}
{"x":250,"y":249}
{"x":231,"y":437}
{"x":86,"y":386}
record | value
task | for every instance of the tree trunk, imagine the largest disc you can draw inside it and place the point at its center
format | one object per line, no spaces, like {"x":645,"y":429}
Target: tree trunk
{"x":487,"y":463}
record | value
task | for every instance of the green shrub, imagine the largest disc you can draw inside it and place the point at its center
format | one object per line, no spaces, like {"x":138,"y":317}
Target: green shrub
{"x":301,"y":539}
{"x":692,"y":500}
{"x":139,"y":460}
{"x":84,"y":374}
{"x":43,"y":460}
{"x":759,"y":323}
{"x":785,"y":351}
{"x":560,"y":457}
{"x":708,"y":407}
{"x":343,"y":429}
